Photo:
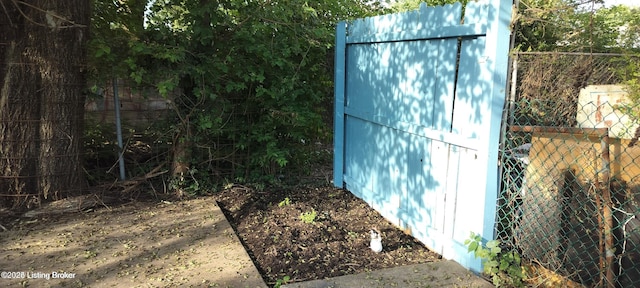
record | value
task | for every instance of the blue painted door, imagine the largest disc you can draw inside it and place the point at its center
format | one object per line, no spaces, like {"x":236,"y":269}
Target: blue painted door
{"x":418,"y":106}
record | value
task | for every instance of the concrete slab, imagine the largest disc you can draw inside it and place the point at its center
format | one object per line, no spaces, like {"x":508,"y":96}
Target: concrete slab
{"x":233,"y":265}
{"x":436,"y":274}
{"x":182,"y":244}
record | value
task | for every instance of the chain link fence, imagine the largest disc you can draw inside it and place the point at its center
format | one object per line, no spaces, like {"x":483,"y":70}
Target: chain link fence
{"x":570,"y":201}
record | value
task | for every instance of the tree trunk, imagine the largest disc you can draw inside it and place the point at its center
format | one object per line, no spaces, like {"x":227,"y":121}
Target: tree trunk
{"x":43,"y":60}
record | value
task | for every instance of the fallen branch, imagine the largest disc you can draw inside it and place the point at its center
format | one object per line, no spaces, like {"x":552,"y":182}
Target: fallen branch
{"x":69,"y":205}
{"x":131,"y":184}
{"x":84,"y":202}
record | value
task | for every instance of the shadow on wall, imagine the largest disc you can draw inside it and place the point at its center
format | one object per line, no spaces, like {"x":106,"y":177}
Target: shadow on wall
{"x":419,"y":109}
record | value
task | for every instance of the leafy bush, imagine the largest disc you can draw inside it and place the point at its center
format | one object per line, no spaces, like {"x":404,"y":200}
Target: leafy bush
{"x":100,"y":151}
{"x":503,"y":267}
{"x":249,"y":80}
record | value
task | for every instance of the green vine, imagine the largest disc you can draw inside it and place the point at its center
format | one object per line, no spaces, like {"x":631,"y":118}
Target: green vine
{"x":504,"y":268}
{"x":630,"y":75}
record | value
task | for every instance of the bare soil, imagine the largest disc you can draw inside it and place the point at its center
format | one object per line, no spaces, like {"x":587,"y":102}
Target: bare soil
{"x":336,"y":242}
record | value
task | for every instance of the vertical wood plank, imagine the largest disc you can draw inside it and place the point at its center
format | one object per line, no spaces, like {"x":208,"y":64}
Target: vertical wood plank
{"x":497,"y":49}
{"x":445,"y":75}
{"x":339,"y":89}
{"x":451,"y":196}
{"x":480,"y":97}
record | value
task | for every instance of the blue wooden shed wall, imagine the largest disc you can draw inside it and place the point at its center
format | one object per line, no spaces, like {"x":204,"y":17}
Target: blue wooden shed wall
{"x":417,"y":119}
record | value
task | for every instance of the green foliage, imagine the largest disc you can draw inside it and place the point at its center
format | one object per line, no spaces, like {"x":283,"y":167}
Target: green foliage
{"x":282,"y":281}
{"x":248,"y":80}
{"x":284,"y":202}
{"x":575,"y":26}
{"x":99,"y":148}
{"x":193,"y":183}
{"x":409,"y":5}
{"x":251,"y":77}
{"x":565,"y":25}
{"x":504,"y":268}
{"x":308,"y":217}
{"x":537,"y":25}
{"x":115,"y":25}
{"x":633,"y":82}
{"x":630,"y":75}
{"x":606,"y":30}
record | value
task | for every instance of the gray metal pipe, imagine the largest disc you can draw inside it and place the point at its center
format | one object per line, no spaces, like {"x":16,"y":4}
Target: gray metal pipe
{"x":116,"y":104}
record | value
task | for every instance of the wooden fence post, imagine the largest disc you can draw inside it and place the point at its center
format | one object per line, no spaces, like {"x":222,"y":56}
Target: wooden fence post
{"x":339,"y":92}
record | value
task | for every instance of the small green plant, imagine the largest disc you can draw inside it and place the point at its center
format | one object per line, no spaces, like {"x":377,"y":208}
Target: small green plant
{"x":308,"y":217}
{"x":90,"y":254}
{"x":281,"y":281}
{"x":186,"y":184}
{"x":284,"y":202}
{"x":504,"y":269}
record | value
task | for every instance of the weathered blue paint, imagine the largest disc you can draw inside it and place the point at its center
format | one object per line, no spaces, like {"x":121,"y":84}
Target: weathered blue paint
{"x":425,"y":34}
{"x":338,"y":138}
{"x":497,"y":50}
{"x":417,"y":128}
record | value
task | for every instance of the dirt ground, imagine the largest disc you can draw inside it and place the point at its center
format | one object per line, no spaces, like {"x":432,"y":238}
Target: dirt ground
{"x":296,"y":232}
{"x":335,"y":243}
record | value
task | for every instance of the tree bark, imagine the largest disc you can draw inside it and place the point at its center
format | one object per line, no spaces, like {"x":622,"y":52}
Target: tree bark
{"x":43,"y":53}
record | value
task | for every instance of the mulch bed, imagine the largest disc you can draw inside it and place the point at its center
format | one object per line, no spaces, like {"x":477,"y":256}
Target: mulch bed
{"x":333,"y":241}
